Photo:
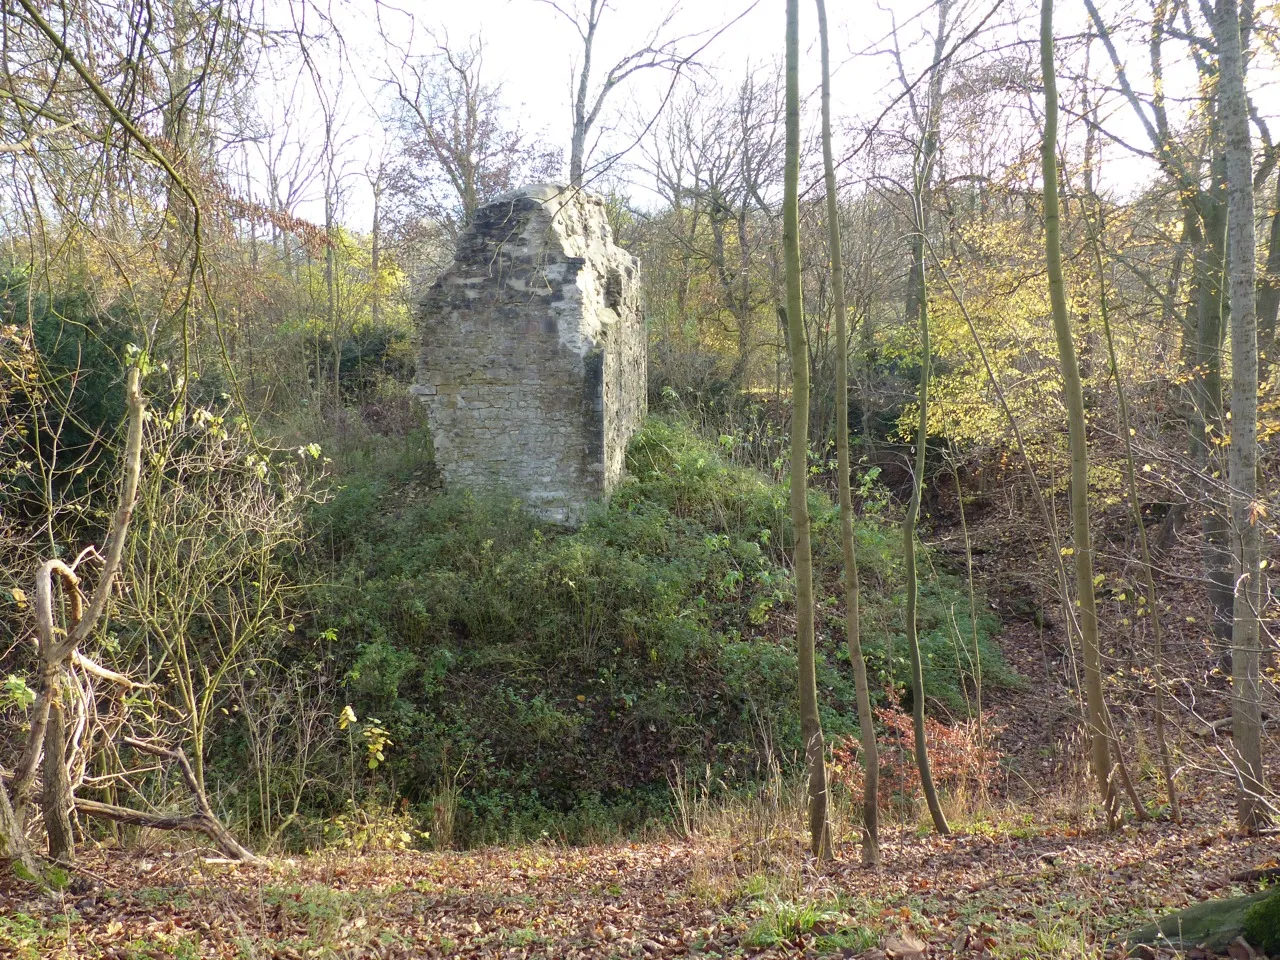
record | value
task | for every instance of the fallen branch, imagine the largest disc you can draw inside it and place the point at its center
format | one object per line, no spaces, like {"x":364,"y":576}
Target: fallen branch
{"x":202,"y":821}
{"x":1258,"y":873}
{"x":1212,"y":728}
{"x":1217,"y":726}
{"x":95,"y":669}
{"x":186,"y":822}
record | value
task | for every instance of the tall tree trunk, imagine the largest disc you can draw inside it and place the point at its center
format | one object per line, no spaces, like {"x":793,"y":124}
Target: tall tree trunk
{"x":1099,"y":729}
{"x":578,"y":140}
{"x":909,"y":561}
{"x":1210,"y":427}
{"x":176,"y":128}
{"x":853,"y":629}
{"x":810,"y":722}
{"x":918,"y":311}
{"x":1269,"y":288}
{"x":925,"y":157}
{"x":331,"y":283}
{"x":1157,"y":634}
{"x":1203,"y":237}
{"x":864,"y":372}
{"x":1242,"y":476}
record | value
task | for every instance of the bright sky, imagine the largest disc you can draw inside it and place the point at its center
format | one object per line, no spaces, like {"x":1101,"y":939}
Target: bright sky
{"x":532,"y":51}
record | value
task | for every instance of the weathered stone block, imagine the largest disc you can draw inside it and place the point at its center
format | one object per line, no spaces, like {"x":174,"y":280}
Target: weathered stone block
{"x":533,"y":352}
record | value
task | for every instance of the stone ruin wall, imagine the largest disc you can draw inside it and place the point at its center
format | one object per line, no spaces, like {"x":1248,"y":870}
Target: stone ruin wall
{"x":532,"y":363}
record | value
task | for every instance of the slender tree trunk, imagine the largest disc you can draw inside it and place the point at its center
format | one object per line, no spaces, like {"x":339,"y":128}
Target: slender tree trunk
{"x":927,"y":153}
{"x":973,"y":605}
{"x":1242,"y":476}
{"x":1269,"y":284}
{"x":1203,"y":237}
{"x":1208,"y":386}
{"x":1099,"y":730}
{"x":330,"y":286}
{"x":175,"y":127}
{"x":1135,"y":504}
{"x":57,"y":799}
{"x":909,"y":560}
{"x":863,"y":373}
{"x":810,"y":722}
{"x":853,"y":629}
{"x":375,"y":257}
{"x":578,"y":142}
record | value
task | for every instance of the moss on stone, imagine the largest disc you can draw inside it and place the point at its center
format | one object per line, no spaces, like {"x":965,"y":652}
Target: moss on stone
{"x":1262,"y":923}
{"x":1212,"y":924}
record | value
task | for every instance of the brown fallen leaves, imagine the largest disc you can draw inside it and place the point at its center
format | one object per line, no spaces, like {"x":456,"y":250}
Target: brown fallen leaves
{"x":1041,"y":895}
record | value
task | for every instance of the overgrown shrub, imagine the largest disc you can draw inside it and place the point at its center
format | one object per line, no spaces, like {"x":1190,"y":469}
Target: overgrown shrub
{"x":553,"y":678}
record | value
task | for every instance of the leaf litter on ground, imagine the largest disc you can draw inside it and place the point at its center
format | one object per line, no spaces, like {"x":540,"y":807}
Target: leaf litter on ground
{"x":1047,"y":893}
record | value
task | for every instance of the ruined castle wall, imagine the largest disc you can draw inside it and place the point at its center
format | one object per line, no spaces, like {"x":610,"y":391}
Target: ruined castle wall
{"x":532,"y":356}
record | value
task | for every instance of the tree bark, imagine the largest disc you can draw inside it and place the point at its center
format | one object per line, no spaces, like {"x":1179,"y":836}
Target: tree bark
{"x":1098,"y":726}
{"x":810,"y":722}
{"x":909,"y":561}
{"x":918,"y":311}
{"x":57,"y":789}
{"x":578,"y":140}
{"x":1269,"y":286}
{"x":13,"y":840}
{"x":852,"y":613}
{"x":1204,"y":237}
{"x":1242,"y":475}
{"x":1207,"y":385}
{"x":375,"y":255}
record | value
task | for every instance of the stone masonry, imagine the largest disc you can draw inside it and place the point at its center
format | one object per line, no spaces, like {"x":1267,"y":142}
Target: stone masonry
{"x":533,"y":352}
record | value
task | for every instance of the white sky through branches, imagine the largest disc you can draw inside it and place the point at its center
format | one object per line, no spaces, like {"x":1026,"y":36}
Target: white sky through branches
{"x":531,"y":51}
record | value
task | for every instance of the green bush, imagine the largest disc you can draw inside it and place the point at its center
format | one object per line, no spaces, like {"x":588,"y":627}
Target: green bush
{"x":1262,"y":925}
{"x":558,"y":677}
{"x":66,"y":416}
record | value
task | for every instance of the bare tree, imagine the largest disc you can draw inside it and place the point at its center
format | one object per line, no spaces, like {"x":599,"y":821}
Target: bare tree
{"x":377,"y":177}
{"x":716,"y":159}
{"x":852,"y":613}
{"x":928,"y":121}
{"x":810,"y":721}
{"x":1194,"y":162}
{"x":1097,"y":721}
{"x":589,"y":96}
{"x":458,"y":147}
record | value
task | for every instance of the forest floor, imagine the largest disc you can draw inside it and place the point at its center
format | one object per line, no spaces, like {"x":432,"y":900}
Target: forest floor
{"x":999,"y":892}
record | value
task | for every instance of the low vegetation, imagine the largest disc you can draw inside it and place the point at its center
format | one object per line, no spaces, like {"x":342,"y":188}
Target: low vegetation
{"x":532,"y":679}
